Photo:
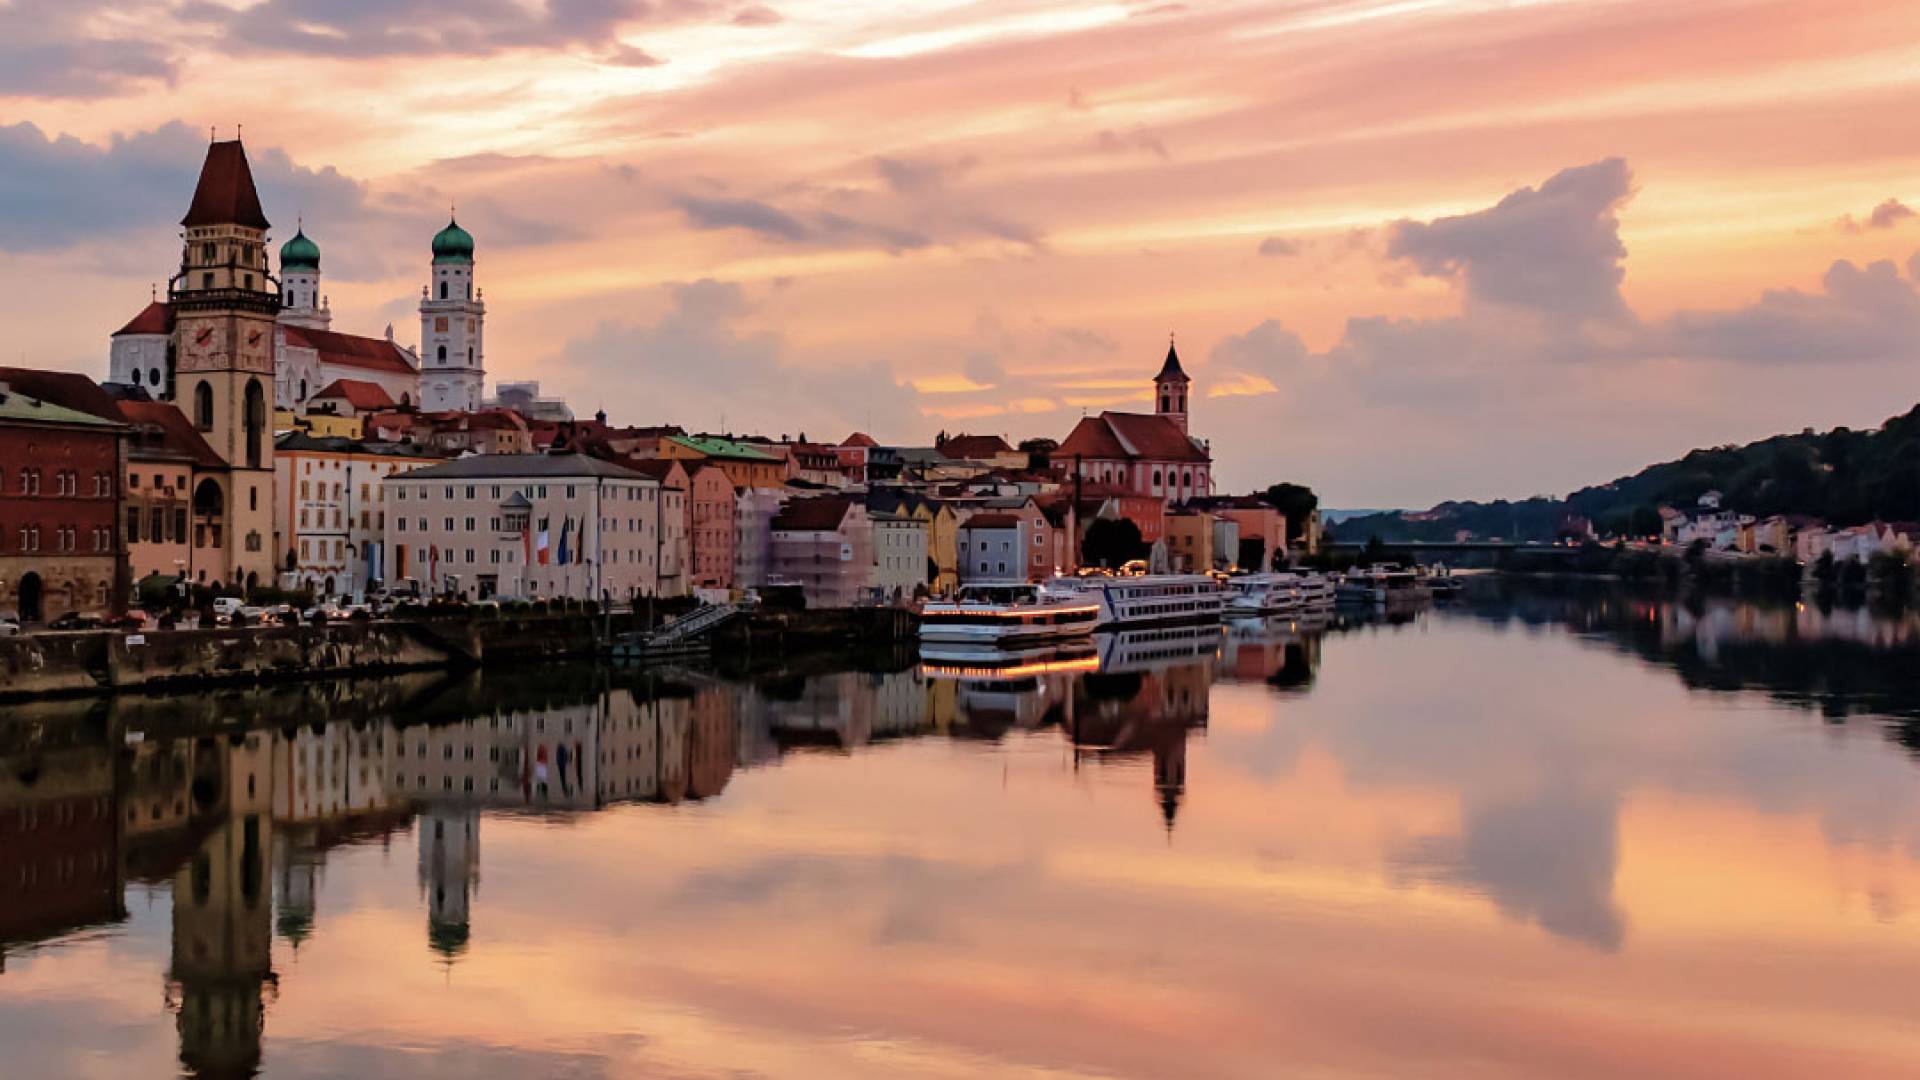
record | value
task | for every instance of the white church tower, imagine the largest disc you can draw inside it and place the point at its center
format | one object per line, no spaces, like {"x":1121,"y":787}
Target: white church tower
{"x":452,"y":321}
{"x":300,"y":300}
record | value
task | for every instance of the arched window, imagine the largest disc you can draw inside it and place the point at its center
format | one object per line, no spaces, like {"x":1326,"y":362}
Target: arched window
{"x":469,"y":356}
{"x":303,"y":389}
{"x":443,"y":289}
{"x":406,"y":398}
{"x":1166,"y":403}
{"x":203,"y":406}
{"x":443,"y":354}
{"x":136,"y":376}
{"x":256,"y":421}
{"x":1156,"y":478}
{"x":153,"y":376}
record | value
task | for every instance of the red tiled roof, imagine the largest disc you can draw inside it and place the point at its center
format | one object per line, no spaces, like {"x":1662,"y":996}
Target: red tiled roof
{"x":155,"y":318}
{"x":357,"y":393}
{"x":68,"y":389}
{"x":349,"y":350}
{"x":973,"y":447}
{"x":177,"y":433}
{"x":991,"y":521}
{"x":1090,"y":438}
{"x":811,"y":515}
{"x":858,"y":438}
{"x":496,"y":420}
{"x":1155,"y":438}
{"x":660,"y":469}
{"x":225,"y":193}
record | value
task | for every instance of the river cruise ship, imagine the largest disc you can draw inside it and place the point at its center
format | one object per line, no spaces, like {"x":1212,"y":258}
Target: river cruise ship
{"x":1279,"y":592}
{"x":1148,"y":599}
{"x":1007,"y":615}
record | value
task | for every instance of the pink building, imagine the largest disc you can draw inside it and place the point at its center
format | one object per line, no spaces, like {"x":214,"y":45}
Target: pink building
{"x":824,"y":545}
{"x":710,"y":526}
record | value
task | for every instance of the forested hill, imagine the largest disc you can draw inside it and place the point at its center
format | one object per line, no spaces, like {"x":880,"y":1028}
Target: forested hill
{"x":1843,"y":476}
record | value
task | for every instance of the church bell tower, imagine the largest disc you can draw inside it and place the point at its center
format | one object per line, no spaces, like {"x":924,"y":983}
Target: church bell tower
{"x":225,"y":301}
{"x":1170,"y":389}
{"x":452,"y":327}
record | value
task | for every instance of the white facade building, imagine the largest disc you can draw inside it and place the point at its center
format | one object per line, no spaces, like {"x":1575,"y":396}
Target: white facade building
{"x":899,"y":555}
{"x":532,"y":526}
{"x":330,"y":510}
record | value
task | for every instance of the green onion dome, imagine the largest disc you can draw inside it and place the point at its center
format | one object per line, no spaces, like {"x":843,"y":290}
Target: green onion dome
{"x":452,"y":244}
{"x":299,"y":253}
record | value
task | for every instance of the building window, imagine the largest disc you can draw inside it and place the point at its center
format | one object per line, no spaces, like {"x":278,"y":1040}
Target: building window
{"x":442,"y":352}
{"x":443,"y":296}
{"x":203,"y":406}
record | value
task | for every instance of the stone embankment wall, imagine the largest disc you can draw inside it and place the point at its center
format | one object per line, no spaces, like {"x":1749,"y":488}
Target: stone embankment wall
{"x":38,"y":665}
{"x":52,"y":665}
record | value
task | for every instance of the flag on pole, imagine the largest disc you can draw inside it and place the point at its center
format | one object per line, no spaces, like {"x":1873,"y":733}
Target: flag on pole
{"x":566,"y":530}
{"x":540,"y":544}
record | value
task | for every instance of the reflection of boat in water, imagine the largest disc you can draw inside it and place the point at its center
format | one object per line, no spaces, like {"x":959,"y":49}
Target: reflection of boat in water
{"x":1144,"y":650}
{"x":1441,"y":584}
{"x":958,"y":661}
{"x":1279,"y":591}
{"x":1148,"y":600}
{"x":1016,"y":613}
{"x":1280,"y":650}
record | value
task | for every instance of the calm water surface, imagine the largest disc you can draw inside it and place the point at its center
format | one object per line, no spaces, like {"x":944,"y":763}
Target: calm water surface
{"x":1528,"y":835}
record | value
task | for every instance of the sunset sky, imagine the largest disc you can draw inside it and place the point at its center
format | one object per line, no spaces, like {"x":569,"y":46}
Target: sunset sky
{"x":1412,"y":249}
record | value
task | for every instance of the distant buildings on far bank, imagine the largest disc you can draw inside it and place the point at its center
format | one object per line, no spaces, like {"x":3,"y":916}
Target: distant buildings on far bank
{"x":242,"y":443}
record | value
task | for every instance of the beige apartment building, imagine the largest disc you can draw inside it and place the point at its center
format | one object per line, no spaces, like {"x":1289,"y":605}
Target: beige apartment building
{"x":534,"y":526}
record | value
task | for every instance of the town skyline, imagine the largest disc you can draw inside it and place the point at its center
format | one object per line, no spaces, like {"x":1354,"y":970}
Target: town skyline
{"x":1564,"y":291}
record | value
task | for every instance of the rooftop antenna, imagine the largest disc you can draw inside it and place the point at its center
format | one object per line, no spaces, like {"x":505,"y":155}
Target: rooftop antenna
{"x":213,"y":133}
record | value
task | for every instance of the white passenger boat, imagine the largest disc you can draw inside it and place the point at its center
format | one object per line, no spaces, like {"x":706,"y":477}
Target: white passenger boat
{"x":1278,"y":592}
{"x":1384,"y":585}
{"x":1007,"y":615}
{"x":1148,"y":599}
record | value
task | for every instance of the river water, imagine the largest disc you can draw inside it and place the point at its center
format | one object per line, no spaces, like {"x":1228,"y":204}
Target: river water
{"x":1529,"y":834}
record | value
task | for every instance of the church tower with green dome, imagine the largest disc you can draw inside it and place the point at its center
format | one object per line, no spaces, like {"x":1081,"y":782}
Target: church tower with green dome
{"x":452,"y":326}
{"x":300,"y":301}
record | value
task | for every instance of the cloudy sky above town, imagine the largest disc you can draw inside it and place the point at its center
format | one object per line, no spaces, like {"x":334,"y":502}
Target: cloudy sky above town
{"x":1412,"y":249}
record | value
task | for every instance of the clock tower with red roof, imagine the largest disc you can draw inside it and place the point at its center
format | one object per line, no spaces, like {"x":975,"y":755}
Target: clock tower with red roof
{"x":224,"y":302}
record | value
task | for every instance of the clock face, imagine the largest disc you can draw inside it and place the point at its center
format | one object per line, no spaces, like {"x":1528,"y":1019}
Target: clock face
{"x":205,"y":335}
{"x":253,"y":338}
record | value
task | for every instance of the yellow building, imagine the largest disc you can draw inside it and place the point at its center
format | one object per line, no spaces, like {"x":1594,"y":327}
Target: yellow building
{"x":323,"y":425}
{"x":1190,"y":541}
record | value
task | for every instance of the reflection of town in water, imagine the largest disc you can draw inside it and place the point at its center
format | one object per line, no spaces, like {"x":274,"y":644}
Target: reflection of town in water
{"x":235,"y":814}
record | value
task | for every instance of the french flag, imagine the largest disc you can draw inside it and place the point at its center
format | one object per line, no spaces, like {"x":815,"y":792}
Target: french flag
{"x":540,"y":543}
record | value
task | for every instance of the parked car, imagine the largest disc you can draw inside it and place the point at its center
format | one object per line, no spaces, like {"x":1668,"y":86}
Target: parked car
{"x":75,"y":620}
{"x":9,"y":626}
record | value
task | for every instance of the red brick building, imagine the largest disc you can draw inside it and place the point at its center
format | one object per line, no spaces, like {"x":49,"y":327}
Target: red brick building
{"x":60,"y":545}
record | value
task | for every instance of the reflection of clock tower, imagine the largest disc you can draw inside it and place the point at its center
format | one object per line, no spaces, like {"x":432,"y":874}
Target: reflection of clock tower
{"x":224,"y":303}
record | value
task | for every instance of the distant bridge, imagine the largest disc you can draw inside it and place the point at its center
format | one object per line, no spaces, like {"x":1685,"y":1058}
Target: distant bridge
{"x":1430,"y":550}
